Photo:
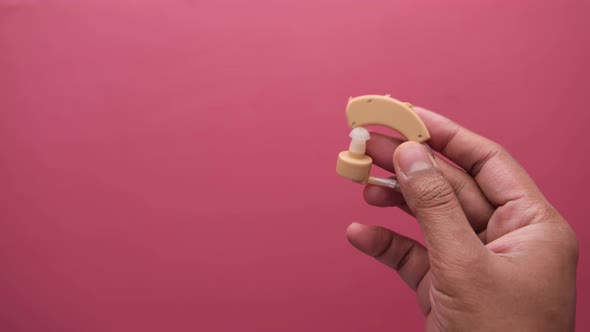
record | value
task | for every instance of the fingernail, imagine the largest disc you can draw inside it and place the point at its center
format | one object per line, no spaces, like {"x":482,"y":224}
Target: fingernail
{"x":414,"y":157}
{"x":428,"y":149}
{"x":430,"y":154}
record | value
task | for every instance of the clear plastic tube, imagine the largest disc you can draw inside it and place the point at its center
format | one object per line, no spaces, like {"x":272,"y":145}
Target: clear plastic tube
{"x":390,"y":183}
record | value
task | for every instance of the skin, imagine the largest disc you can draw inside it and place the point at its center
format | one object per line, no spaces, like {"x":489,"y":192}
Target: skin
{"x":497,"y":256}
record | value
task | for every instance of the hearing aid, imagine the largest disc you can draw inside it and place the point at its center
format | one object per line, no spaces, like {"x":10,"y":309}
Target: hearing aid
{"x":377,"y":110}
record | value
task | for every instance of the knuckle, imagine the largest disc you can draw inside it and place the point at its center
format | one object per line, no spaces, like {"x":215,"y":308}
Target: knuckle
{"x":498,"y":149}
{"x":433,"y":191}
{"x":541,"y":212}
{"x":574,"y":248}
{"x":569,"y":241}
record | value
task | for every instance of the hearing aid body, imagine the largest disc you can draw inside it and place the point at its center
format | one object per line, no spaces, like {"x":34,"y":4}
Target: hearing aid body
{"x":379,"y":110}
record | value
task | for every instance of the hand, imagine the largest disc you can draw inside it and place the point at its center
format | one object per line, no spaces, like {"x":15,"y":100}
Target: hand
{"x":498,"y":256}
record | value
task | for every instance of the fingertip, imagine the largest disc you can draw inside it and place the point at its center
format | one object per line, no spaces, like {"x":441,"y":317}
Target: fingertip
{"x":354,"y":232}
{"x":368,"y":239}
{"x":380,"y":147}
{"x":359,"y":236}
{"x":353,"y":228}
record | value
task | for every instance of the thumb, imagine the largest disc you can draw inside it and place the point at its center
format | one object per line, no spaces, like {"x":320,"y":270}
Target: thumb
{"x":447,"y":232}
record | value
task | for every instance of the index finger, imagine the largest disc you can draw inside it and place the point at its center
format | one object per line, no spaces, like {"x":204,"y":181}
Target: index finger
{"x":498,"y":174}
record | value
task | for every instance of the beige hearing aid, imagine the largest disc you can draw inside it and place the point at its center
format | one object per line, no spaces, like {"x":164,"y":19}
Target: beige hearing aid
{"x":381,"y":111}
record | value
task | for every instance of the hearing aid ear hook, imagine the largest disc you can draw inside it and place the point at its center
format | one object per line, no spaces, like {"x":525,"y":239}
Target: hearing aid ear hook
{"x":379,"y":110}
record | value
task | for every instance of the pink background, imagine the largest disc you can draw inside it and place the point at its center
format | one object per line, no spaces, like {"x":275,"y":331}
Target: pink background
{"x":170,"y":166}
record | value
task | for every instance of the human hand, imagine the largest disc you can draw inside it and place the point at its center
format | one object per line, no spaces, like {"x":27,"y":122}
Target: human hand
{"x":498,"y":256}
